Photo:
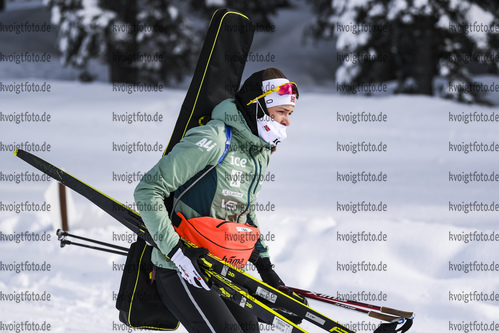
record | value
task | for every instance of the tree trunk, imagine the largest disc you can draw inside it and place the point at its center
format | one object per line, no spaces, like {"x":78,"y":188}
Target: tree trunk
{"x":120,"y":70}
{"x":425,"y":67}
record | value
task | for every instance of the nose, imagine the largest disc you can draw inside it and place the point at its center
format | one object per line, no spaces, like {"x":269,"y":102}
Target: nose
{"x":285,"y":120}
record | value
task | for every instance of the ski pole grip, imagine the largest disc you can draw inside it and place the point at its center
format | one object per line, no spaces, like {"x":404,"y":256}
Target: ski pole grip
{"x":404,"y":314}
{"x":381,"y":316}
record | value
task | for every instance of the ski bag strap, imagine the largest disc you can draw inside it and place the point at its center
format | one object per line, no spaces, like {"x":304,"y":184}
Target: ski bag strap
{"x":228,"y":134}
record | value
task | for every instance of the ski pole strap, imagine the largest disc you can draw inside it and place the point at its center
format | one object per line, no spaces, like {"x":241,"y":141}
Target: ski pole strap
{"x":228,"y":139}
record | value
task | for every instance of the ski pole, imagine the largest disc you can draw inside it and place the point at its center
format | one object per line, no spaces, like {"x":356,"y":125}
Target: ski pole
{"x":392,"y":320}
{"x":62,"y":234}
{"x":65,"y":242}
{"x":354,"y":305}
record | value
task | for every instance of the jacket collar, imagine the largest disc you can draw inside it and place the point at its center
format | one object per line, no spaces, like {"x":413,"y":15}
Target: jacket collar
{"x":227,"y":112}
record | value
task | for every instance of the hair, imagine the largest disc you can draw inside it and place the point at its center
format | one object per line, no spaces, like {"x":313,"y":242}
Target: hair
{"x":272,"y":73}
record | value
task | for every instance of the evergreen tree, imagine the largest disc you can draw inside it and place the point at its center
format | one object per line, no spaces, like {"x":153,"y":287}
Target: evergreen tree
{"x":120,"y":47}
{"x":170,"y":42}
{"x":259,"y":11}
{"x":409,"y":41}
{"x":141,"y":40}
{"x":81,"y":30}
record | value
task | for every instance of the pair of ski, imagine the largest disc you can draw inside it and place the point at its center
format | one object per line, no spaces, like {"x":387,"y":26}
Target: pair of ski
{"x":239,"y":286}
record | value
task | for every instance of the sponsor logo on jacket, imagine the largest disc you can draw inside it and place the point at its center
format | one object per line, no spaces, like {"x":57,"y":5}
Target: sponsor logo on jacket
{"x":229,"y":205}
{"x":237,"y":161}
{"x":205,"y":143}
{"x":229,"y":193}
{"x":235,"y":178}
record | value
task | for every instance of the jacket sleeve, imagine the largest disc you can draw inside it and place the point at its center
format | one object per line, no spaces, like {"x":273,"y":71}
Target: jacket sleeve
{"x":201,"y":146}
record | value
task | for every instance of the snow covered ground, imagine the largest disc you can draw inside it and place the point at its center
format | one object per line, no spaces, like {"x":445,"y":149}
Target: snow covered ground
{"x":424,"y":255}
{"x":310,"y":248}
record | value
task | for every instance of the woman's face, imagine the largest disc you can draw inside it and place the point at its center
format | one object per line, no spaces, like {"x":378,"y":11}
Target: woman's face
{"x":281,"y":113}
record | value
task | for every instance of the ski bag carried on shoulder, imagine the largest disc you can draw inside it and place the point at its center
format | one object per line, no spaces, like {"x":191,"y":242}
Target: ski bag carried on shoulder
{"x":218,"y":71}
{"x":230,"y":241}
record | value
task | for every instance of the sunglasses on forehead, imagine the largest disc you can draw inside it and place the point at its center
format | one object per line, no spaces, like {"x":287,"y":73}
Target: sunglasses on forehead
{"x":288,"y":88}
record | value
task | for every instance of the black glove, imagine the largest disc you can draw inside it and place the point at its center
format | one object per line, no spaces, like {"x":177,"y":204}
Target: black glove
{"x":267,"y":273}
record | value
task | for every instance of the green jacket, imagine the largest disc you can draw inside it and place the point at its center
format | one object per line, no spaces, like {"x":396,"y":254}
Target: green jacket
{"x":228,"y":191}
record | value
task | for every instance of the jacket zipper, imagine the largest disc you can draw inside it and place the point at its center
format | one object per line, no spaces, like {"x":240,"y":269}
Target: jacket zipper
{"x":252,"y":182}
{"x":258,"y":178}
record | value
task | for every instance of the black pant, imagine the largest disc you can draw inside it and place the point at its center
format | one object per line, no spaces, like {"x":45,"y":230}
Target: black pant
{"x":200,"y":310}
